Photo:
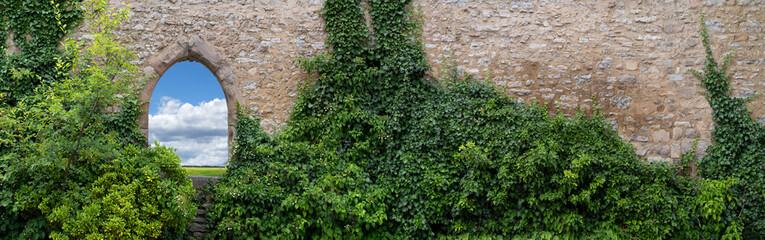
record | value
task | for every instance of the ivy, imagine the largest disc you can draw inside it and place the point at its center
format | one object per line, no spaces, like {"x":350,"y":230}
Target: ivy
{"x":36,"y":27}
{"x":374,"y":150}
{"x":739,"y":145}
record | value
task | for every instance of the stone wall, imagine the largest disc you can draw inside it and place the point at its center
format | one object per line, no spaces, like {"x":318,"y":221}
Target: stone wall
{"x":631,"y":57}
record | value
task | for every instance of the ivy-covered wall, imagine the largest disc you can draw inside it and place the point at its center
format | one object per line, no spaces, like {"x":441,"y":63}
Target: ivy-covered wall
{"x":630,"y":56}
{"x":29,"y":42}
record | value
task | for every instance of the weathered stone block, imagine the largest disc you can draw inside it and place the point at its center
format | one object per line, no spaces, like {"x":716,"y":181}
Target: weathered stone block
{"x":691,"y":133}
{"x":605,"y":63}
{"x":687,"y":146}
{"x":677,"y":133}
{"x":521,"y":92}
{"x":627,"y":79}
{"x":638,"y":138}
{"x":583,"y":79}
{"x":172,"y":53}
{"x":647,"y":19}
{"x":205,"y":53}
{"x":660,"y":136}
{"x":714,"y":2}
{"x":676,"y":150}
{"x":662,"y":150}
{"x":621,"y":102}
{"x":631,"y":65}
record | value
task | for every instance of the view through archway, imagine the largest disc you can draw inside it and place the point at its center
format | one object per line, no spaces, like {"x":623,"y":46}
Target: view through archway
{"x":188,"y":112}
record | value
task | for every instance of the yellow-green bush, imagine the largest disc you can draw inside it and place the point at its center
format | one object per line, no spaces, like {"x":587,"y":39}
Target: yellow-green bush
{"x":72,"y":165}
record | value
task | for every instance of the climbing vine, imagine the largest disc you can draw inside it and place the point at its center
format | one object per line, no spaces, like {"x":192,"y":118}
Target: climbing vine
{"x":739,"y":144}
{"x":373,"y":150}
{"x":35,"y":27}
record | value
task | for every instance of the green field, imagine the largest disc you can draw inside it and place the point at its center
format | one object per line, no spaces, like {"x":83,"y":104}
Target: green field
{"x":205,"y":171}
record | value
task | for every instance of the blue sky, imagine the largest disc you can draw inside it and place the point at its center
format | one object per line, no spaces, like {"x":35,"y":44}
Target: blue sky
{"x":188,"y":112}
{"x":187,"y":81}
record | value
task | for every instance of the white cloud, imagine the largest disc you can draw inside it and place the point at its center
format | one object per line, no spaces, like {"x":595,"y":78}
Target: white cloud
{"x":198,"y":132}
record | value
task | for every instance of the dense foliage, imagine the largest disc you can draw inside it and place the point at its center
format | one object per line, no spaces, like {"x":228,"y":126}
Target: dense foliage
{"x":739,"y":149}
{"x":35,"y":27}
{"x":374,"y":150}
{"x":72,"y":165}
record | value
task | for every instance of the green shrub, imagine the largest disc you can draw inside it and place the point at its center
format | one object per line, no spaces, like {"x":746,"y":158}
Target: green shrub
{"x":140,"y":194}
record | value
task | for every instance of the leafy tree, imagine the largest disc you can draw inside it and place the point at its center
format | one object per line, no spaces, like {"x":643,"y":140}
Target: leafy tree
{"x":71,"y":165}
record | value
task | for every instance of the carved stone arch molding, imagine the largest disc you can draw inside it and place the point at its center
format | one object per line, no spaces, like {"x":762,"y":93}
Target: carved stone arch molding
{"x":196,"y":49}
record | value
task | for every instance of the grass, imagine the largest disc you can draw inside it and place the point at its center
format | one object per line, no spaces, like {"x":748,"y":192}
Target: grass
{"x":205,"y":171}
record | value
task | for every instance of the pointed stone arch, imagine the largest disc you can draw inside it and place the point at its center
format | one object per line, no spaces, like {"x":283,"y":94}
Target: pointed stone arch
{"x":195,"y":49}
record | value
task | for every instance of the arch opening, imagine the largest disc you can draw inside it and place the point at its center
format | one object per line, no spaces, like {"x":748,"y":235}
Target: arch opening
{"x":195,"y":49}
{"x":188,"y":112}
